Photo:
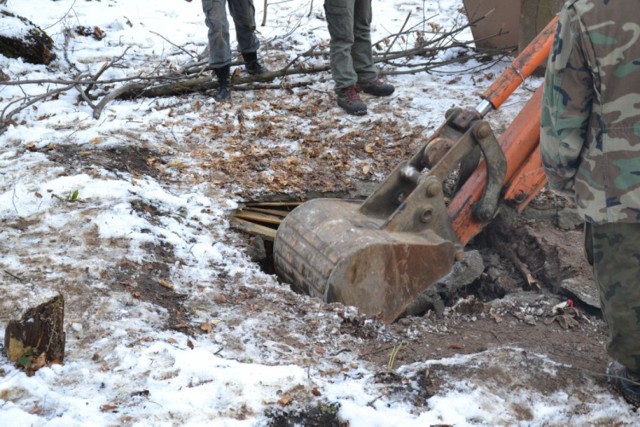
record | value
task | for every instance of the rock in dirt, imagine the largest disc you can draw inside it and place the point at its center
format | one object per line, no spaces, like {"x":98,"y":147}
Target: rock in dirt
{"x":582,"y":289}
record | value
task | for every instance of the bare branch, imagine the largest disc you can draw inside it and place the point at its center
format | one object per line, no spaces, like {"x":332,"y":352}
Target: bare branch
{"x":104,"y":68}
{"x":173,"y":44}
{"x":6,"y":118}
{"x":163,"y":81}
{"x":398,"y":34}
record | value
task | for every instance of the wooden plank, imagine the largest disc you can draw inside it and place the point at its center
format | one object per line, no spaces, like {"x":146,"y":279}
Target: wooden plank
{"x":497,"y":25}
{"x":534,"y":16}
{"x":274,"y":204}
{"x":251,"y":228}
{"x":275,"y":212}
{"x":259,"y":217}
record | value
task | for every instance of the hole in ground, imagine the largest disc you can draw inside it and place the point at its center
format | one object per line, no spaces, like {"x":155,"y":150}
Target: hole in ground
{"x":260,"y":220}
{"x":515,"y":256}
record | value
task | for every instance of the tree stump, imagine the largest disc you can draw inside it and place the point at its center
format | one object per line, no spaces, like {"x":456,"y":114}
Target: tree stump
{"x":38,"y":338}
{"x":25,"y":40}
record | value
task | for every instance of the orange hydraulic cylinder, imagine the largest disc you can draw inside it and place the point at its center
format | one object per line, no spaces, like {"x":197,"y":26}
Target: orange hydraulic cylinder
{"x":527,"y":182}
{"x":522,"y":66}
{"x":518,"y":143}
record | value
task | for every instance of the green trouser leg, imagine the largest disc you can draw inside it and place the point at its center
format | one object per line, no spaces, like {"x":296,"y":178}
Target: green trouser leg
{"x":615,"y":252}
{"x":349,"y":23}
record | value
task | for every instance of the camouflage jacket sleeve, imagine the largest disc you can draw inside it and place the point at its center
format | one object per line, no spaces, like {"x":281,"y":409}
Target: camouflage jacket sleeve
{"x":566,"y":103}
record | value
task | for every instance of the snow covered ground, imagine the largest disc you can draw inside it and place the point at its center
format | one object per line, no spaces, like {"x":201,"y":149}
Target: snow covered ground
{"x":260,"y":349}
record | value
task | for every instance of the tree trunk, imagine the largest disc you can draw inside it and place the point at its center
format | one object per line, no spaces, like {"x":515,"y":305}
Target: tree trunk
{"x":38,"y":338}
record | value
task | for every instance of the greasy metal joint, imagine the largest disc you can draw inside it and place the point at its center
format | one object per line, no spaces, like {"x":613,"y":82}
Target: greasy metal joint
{"x":485,"y":209}
{"x":452,"y":112}
{"x":410,"y":173}
{"x":463,"y":119}
{"x":482,"y":131}
{"x":520,"y":197}
{"x":427,"y":215}
{"x":483,"y":213}
{"x":433,"y":188}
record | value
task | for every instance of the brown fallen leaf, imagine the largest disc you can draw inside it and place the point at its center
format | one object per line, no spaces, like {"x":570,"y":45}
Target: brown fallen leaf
{"x":496,"y":317}
{"x":206,"y":326}
{"x":39,"y":361}
{"x":285,"y":400}
{"x":220,"y":299}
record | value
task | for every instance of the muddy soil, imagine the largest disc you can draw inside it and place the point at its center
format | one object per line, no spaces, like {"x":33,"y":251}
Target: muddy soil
{"x":517,"y":303}
{"x":518,"y":306}
{"x":527,"y":257}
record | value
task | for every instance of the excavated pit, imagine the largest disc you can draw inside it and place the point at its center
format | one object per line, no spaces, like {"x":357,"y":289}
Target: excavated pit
{"x":527,"y":265}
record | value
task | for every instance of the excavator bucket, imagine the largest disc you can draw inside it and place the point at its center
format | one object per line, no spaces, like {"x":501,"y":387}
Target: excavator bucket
{"x":378,"y":255}
{"x":331,"y":250}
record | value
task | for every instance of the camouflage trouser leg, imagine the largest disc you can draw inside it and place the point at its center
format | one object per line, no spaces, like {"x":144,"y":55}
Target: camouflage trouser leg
{"x":614,"y":252}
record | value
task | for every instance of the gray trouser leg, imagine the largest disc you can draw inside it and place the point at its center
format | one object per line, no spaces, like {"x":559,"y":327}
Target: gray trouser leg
{"x":215,"y":13}
{"x":362,"y":52}
{"x":615,"y":251}
{"x":349,"y":23}
{"x":215,"y":16}
{"x":243,"y":13}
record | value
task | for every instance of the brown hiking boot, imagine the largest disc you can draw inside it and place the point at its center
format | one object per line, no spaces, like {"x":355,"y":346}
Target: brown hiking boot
{"x":376,"y":88}
{"x":350,"y":101}
{"x":624,"y":382}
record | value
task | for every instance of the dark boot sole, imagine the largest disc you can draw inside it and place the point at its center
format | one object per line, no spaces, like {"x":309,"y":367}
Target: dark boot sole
{"x":219,"y":97}
{"x":379,"y":93}
{"x":618,"y":383}
{"x":359,"y":111}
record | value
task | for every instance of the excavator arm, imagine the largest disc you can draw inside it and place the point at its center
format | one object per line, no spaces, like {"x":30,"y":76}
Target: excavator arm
{"x":378,"y":255}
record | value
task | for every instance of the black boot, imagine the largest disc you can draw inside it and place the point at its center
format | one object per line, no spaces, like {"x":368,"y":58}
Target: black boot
{"x":252,"y":65}
{"x":224,"y":89}
{"x":624,"y":382}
